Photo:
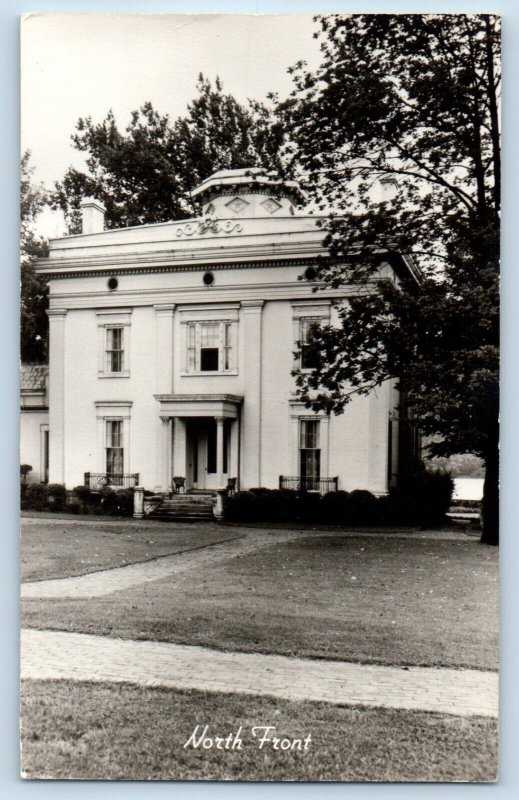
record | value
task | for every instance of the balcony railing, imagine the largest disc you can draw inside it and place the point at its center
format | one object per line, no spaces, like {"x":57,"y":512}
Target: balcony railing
{"x":98,"y":480}
{"x":321,"y":485}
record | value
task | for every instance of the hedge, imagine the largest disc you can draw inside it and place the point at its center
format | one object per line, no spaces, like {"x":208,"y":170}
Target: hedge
{"x":422,"y":499}
{"x":54,"y":497}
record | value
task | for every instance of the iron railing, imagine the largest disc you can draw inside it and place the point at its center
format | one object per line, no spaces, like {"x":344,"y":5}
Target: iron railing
{"x":299,"y":484}
{"x":98,"y":480}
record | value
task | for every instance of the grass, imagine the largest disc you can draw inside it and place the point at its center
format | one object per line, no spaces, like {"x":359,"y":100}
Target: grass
{"x":64,"y":548}
{"x":135,"y":733}
{"x":383,"y":600}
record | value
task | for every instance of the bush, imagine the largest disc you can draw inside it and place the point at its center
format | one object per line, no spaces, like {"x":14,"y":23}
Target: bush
{"x":36,"y":497}
{"x":422,"y":499}
{"x":262,"y":505}
{"x":108,"y":501}
{"x":24,"y":471}
{"x":122,"y":503}
{"x":426,"y":496}
{"x":335,"y":507}
{"x":56,"y":497}
{"x":309,"y":507}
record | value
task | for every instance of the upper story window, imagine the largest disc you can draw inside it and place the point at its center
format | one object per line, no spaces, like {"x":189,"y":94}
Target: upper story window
{"x":115,"y":349}
{"x":307,"y":319}
{"x":310,"y":354}
{"x":211,"y":346}
{"x":114,"y":343}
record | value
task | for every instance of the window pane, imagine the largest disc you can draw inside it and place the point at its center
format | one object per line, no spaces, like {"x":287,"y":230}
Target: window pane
{"x":114,"y":461}
{"x":114,"y":350}
{"x":309,"y":437}
{"x":309,"y":349}
{"x":210,"y":335}
{"x":116,"y":361}
{"x":114,"y":433}
{"x":310,"y":464}
{"x":209,"y":359}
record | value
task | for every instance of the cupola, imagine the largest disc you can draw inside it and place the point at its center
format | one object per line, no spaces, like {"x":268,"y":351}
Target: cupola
{"x":248,"y":192}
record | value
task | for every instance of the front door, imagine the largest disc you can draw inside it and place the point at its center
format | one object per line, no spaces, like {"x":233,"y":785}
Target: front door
{"x":211,"y":481}
{"x":201,"y":455}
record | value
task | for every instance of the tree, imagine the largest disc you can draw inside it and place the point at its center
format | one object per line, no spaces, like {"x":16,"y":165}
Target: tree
{"x":34,"y":291}
{"x":412,"y":100}
{"x":146,"y":173}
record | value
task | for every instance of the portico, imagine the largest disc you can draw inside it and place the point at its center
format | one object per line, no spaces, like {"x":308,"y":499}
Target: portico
{"x":200,"y":439}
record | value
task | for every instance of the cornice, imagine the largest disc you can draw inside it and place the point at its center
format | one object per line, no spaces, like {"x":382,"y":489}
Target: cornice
{"x":142,"y":269}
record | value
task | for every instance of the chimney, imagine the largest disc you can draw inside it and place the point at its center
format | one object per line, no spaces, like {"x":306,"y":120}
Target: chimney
{"x":92,"y":215}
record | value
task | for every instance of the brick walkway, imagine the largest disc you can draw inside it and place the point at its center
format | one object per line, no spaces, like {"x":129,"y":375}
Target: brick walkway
{"x":104,"y":582}
{"x":52,"y":655}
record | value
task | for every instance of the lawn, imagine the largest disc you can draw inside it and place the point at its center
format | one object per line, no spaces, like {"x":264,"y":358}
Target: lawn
{"x":59,"y":548}
{"x":134,"y":733}
{"x":381,"y":599}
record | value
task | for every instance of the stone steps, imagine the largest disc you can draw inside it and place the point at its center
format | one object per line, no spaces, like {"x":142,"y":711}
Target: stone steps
{"x":185,"y":507}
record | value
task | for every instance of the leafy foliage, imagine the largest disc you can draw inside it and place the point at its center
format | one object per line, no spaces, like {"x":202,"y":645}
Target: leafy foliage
{"x":424,"y":499}
{"x":409,"y":103}
{"x":34,"y":290}
{"x":146,"y":173}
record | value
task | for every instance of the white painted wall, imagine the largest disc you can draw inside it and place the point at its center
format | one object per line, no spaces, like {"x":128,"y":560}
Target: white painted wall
{"x":32,"y":424}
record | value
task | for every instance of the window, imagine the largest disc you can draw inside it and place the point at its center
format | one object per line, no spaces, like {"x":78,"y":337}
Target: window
{"x":307,"y":318}
{"x":114,"y":447}
{"x":114,"y":349}
{"x":309,"y":451}
{"x":113,"y":343}
{"x":309,"y":349}
{"x":210,"y":346}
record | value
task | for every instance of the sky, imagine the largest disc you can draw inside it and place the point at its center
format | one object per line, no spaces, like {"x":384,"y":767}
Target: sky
{"x":79,"y":65}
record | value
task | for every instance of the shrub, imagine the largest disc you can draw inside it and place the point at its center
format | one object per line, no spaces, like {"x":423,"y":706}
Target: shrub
{"x":123,"y":503}
{"x":309,"y":507}
{"x":24,"y":471}
{"x":423,"y":499}
{"x":36,"y":496}
{"x":89,"y":501}
{"x":335,"y":507}
{"x":262,"y":505}
{"x":362,"y":508}
{"x":426,"y":496}
{"x":83,"y":493}
{"x":56,"y":497}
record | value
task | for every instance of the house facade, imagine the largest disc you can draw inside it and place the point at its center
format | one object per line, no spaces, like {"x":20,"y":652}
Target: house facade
{"x":172,"y":350}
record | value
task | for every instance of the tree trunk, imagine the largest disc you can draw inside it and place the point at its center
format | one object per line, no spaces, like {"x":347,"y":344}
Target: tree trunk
{"x":490,"y":503}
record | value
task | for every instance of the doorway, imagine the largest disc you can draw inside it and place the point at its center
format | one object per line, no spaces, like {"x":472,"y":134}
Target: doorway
{"x":201,"y":454}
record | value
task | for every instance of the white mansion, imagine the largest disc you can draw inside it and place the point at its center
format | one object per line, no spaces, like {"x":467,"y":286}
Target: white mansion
{"x":172,"y":347}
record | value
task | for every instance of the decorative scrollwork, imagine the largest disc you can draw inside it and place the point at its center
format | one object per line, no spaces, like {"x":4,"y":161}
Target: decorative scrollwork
{"x":208,"y":225}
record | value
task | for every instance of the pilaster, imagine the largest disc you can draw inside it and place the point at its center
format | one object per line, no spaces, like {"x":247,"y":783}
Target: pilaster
{"x":57,"y":394}
{"x":251,"y":366}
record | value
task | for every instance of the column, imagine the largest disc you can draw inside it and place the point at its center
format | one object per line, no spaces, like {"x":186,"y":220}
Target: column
{"x":234,"y":454}
{"x":57,"y":395}
{"x":219,"y":452}
{"x":166,"y":453}
{"x":250,"y":459}
{"x":164,"y":318}
{"x":179,"y":447}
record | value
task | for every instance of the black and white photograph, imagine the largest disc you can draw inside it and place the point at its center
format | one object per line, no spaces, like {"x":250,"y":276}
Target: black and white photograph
{"x":259,"y":397}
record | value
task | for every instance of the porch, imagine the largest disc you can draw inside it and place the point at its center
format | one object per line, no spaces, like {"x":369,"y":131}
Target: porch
{"x":199,"y":441}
